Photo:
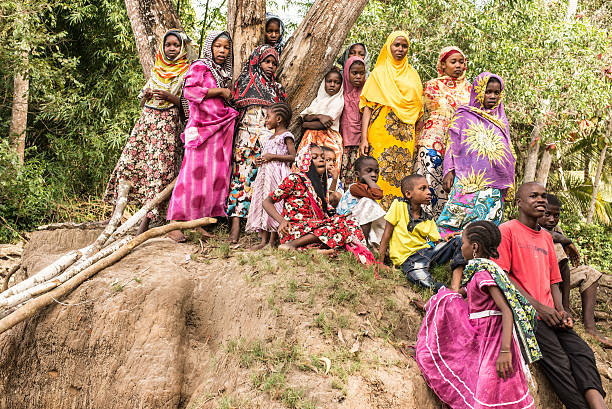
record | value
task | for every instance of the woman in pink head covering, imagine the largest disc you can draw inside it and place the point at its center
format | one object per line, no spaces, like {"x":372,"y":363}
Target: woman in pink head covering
{"x":441,"y":97}
{"x":350,"y":122}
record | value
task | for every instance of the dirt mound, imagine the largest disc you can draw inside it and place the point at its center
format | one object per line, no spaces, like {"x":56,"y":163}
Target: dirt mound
{"x":196,"y":326}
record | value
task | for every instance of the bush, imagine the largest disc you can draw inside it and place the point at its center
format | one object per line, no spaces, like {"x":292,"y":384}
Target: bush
{"x":593,"y":240}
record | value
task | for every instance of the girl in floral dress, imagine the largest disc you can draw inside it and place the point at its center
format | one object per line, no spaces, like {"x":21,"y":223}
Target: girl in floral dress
{"x":466,"y":350}
{"x":305,"y":218}
{"x":255,"y":90}
{"x":149,"y":158}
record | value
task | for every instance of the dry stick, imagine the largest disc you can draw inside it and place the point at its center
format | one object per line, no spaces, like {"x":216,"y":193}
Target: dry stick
{"x":79,"y":266}
{"x":44,"y":300}
{"x":132,"y":221}
{"x":12,"y":271}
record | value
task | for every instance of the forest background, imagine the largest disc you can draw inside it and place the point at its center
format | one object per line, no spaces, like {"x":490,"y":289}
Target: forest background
{"x":82,"y":67}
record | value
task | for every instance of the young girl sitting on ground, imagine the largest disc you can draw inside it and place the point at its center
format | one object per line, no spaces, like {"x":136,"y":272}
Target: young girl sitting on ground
{"x":350,"y":122}
{"x":322,"y":117}
{"x":255,"y":90}
{"x":335,"y":188}
{"x":466,"y":350}
{"x":277,"y":154}
{"x":305,"y":219}
{"x":360,"y":200}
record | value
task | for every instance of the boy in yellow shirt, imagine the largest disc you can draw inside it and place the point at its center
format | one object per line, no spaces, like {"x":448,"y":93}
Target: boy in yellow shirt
{"x":413,"y":238}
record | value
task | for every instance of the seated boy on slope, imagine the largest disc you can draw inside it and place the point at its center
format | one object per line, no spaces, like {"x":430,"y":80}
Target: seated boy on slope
{"x":527,"y":253}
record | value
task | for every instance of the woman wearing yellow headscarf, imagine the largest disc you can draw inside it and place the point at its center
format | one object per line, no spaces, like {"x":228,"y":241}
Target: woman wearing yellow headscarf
{"x":391,"y":103}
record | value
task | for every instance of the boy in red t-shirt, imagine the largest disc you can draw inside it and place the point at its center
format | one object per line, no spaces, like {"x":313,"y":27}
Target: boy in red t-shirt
{"x":527,"y":253}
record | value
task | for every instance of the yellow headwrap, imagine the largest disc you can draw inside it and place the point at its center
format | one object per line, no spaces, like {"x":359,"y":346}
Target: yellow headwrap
{"x":394,"y":84}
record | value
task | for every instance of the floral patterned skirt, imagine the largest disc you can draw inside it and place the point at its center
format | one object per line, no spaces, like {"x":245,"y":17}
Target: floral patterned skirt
{"x":428,"y":162}
{"x":334,"y":231}
{"x":149,"y":158}
{"x":463,"y":208}
{"x":392,"y":144}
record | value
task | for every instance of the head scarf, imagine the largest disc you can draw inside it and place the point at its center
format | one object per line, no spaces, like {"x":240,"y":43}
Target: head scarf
{"x":395,"y":84}
{"x":308,"y":172}
{"x":280,"y":44}
{"x":350,"y":123}
{"x":525,"y":316}
{"x":325,"y":104}
{"x":168,"y":75}
{"x":480,"y":142}
{"x":345,"y":56}
{"x":444,"y":54}
{"x":221,"y":73}
{"x":253,"y":86}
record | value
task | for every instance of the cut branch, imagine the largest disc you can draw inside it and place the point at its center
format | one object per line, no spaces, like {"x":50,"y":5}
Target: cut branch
{"x":46,"y":299}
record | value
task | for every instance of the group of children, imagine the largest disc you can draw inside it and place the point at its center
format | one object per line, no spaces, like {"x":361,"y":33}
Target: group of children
{"x":241,"y":161}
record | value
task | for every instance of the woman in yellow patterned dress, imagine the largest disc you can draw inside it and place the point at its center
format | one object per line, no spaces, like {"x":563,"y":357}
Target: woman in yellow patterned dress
{"x":391,"y":103}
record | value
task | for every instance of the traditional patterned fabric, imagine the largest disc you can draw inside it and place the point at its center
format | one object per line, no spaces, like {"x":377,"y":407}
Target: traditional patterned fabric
{"x":280,"y":43}
{"x":365,"y":211}
{"x":325,"y":104}
{"x":148,"y":159}
{"x":327,"y":137}
{"x":350,"y":121}
{"x":441,"y":97}
{"x":345,"y":56}
{"x":480,"y":149}
{"x":463,"y":208}
{"x":253,"y":86}
{"x":336,"y":231}
{"x":252,"y":135}
{"x":525,"y":316}
{"x":347,"y":171}
{"x":457,"y":353}
{"x":394,"y":84}
{"x":166,"y":74}
{"x":269,"y":176}
{"x":202,"y":183}
{"x":221,"y":73}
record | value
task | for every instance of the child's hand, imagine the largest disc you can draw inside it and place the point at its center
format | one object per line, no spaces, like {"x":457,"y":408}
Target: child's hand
{"x":266,"y":157}
{"x":333,"y":171}
{"x":503,"y":366}
{"x":283,"y":228}
{"x":566,"y":320}
{"x":147,"y":94}
{"x":573,"y":254}
{"x":162,"y":95}
{"x":226,"y":94}
{"x":451,"y":236}
{"x":549,"y":315}
{"x":326,"y":120}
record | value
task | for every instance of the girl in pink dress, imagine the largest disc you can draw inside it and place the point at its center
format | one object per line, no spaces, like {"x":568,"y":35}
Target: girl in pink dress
{"x":277,"y":154}
{"x":203,"y":182}
{"x":466,"y":350}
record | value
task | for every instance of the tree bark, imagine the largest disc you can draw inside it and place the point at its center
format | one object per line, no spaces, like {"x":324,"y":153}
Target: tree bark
{"x":602,"y":158}
{"x":150,"y":19}
{"x":246,"y":23}
{"x":531,"y":163}
{"x":312,"y":49}
{"x":545,"y":163}
{"x":19,"y":113}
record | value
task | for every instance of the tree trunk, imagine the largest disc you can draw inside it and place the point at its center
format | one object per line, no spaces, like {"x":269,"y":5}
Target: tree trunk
{"x":19,"y":114}
{"x":246,"y":23}
{"x":150,"y":19}
{"x":312,"y":49}
{"x":531,"y":163}
{"x":602,"y":159}
{"x":545,"y":163}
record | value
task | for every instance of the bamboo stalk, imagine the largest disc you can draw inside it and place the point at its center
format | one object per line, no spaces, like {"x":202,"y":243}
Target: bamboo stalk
{"x":48,"y":298}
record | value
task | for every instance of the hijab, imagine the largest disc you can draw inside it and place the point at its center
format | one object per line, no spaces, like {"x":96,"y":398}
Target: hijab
{"x":350,"y":122}
{"x":325,"y":104}
{"x":280,"y":44}
{"x":480,"y":143}
{"x":395,"y":84}
{"x":221,"y":73}
{"x":308,"y":172}
{"x":342,"y":60}
{"x":253,"y":86}
{"x":166,"y":74}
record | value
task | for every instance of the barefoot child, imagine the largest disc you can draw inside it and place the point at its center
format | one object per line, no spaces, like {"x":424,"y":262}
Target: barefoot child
{"x":411,"y":234}
{"x":584,"y":276}
{"x":360,"y":200}
{"x":277,"y":154}
{"x":466,"y":350}
{"x":322,"y":117}
{"x":255,"y":90}
{"x":527,"y":254}
{"x":306,"y":219}
{"x":335,"y":188}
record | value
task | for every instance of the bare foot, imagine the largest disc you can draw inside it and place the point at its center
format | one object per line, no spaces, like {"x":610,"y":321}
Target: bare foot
{"x":203,"y":232}
{"x":177,"y":236}
{"x":419,"y":303}
{"x":258,"y":246}
{"x":328,"y":252}
{"x":607,"y":342}
{"x":286,"y":247}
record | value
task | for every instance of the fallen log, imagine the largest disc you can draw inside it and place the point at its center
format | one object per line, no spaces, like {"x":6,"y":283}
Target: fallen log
{"x":37,"y":304}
